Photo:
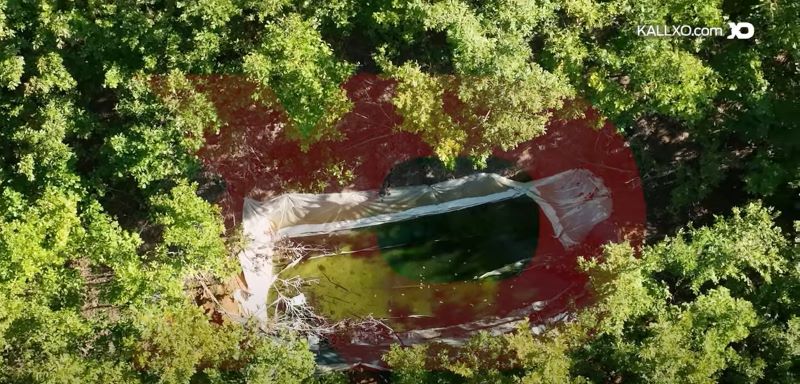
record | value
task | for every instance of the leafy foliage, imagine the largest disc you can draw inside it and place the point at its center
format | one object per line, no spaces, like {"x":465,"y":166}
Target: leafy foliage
{"x":500,"y":98}
{"x":711,"y":305}
{"x":102,"y":231}
{"x":101,"y":228}
{"x":295,"y":63}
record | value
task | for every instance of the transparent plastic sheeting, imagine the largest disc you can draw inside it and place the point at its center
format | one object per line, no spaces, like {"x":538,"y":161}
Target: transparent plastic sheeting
{"x":573,"y":201}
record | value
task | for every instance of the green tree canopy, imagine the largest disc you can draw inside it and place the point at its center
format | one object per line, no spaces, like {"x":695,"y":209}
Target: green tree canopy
{"x":103,"y":233}
{"x":712,"y":304}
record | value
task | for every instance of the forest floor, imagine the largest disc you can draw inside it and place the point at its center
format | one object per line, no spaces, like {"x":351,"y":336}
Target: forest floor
{"x":662,"y":149}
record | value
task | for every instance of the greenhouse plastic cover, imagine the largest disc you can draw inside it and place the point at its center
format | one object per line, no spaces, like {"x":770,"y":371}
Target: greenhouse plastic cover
{"x":573,"y":201}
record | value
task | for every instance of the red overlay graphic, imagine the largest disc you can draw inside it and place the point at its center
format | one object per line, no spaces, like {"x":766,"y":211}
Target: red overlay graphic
{"x":256,"y":160}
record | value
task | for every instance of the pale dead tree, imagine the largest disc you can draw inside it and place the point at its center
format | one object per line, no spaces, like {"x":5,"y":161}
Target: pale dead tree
{"x":288,"y":253}
{"x":366,"y":330}
{"x":288,"y":307}
{"x":291,"y":310}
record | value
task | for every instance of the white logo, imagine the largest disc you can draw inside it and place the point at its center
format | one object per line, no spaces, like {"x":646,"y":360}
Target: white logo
{"x":737,"y":30}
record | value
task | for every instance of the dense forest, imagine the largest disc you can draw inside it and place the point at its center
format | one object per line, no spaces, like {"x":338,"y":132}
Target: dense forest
{"x":107,"y":239}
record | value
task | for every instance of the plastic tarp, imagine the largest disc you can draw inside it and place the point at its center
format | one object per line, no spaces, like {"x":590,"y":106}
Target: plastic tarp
{"x":573,"y":201}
